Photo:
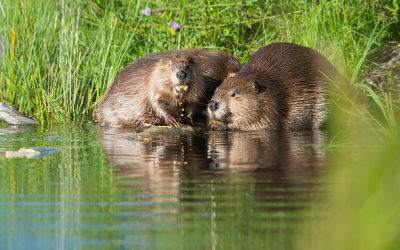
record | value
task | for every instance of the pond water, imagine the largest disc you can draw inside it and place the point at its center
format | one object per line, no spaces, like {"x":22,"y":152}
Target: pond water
{"x":94,"y":188}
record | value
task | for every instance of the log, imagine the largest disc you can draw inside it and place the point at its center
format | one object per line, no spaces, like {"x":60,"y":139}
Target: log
{"x":10,"y":115}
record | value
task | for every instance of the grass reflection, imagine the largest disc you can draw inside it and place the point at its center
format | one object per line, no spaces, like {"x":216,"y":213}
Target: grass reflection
{"x":218,"y":191}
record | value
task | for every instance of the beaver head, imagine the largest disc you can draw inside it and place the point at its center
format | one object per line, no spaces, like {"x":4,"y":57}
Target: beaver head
{"x":242,"y":103}
{"x":182,"y":71}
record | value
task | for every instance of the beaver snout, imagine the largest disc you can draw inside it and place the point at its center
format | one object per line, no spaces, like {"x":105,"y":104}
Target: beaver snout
{"x":213,"y":105}
{"x":181,"y":75}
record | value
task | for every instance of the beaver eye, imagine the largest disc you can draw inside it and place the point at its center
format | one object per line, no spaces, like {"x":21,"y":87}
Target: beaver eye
{"x":169,"y":65}
{"x":233,"y":95}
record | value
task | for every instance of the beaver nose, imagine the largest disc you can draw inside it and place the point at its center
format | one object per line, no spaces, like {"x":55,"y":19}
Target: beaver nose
{"x":213,"y":105}
{"x":181,"y":74}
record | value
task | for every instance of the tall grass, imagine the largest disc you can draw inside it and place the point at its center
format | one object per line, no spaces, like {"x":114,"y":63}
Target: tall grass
{"x":362,"y":208}
{"x":60,"y":56}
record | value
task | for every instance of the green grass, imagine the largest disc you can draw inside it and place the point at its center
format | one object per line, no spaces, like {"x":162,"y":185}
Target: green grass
{"x":362,"y":208}
{"x":60,"y":56}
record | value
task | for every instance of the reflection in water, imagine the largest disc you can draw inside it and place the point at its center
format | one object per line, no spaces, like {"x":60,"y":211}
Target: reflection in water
{"x":240,"y":180}
{"x":217,"y":190}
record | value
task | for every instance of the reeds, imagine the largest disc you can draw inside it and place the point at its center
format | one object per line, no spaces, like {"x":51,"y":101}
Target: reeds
{"x":60,"y":56}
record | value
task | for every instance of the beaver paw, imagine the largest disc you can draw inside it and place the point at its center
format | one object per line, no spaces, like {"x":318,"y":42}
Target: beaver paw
{"x":171,"y":121}
{"x":217,"y":126}
{"x":213,"y":127}
{"x":189,"y":121}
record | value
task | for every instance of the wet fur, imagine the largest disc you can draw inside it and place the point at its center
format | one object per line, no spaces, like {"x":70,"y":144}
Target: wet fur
{"x":282,"y":87}
{"x":144,"y":92}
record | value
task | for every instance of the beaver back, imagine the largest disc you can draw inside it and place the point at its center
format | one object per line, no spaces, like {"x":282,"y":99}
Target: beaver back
{"x":282,"y":86}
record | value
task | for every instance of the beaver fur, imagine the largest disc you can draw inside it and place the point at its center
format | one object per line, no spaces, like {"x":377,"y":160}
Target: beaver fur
{"x":164,"y":88}
{"x":283,"y":86}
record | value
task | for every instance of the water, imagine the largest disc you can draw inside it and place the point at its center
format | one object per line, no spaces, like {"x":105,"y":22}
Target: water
{"x":88,"y":188}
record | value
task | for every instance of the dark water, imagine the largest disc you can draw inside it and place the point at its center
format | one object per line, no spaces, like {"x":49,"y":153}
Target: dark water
{"x":88,"y":188}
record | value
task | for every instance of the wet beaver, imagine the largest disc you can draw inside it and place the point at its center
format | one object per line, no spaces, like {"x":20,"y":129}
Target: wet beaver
{"x":164,"y":88}
{"x":282,"y":86}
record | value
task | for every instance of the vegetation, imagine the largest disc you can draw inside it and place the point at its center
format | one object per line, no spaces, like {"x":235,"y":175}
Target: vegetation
{"x":60,"y":56}
{"x":361,"y":208}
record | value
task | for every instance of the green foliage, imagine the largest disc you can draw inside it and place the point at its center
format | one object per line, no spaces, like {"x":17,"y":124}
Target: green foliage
{"x":362,"y":211}
{"x":396,"y":9}
{"x":60,"y":56}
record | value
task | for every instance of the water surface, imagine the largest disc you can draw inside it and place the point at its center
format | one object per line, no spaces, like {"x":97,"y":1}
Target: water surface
{"x":92,"y":188}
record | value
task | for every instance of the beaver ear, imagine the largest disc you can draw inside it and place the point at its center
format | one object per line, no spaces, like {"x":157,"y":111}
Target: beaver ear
{"x":191,"y":60}
{"x":257,"y":86}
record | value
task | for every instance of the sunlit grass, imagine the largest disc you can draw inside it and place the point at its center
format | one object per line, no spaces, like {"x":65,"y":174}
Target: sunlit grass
{"x":60,"y":56}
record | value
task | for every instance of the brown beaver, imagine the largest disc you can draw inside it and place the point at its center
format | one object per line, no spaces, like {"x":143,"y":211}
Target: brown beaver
{"x":282,"y":86}
{"x":164,"y":88}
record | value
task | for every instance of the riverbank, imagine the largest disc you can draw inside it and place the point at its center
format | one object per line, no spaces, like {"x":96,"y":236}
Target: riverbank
{"x":61,"y":57}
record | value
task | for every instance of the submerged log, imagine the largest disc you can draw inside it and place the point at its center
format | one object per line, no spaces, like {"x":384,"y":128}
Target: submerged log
{"x":149,"y":130}
{"x":34,"y":152}
{"x":10,"y":115}
{"x":22,"y":152}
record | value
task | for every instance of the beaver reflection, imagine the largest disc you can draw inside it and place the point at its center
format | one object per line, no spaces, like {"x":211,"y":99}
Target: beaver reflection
{"x":158,"y":163}
{"x":185,"y":164}
{"x":294,"y":154}
{"x":273,"y":167}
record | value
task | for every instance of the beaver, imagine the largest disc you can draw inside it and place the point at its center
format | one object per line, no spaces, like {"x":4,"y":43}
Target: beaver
{"x":164,"y":88}
{"x":283,"y":86}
